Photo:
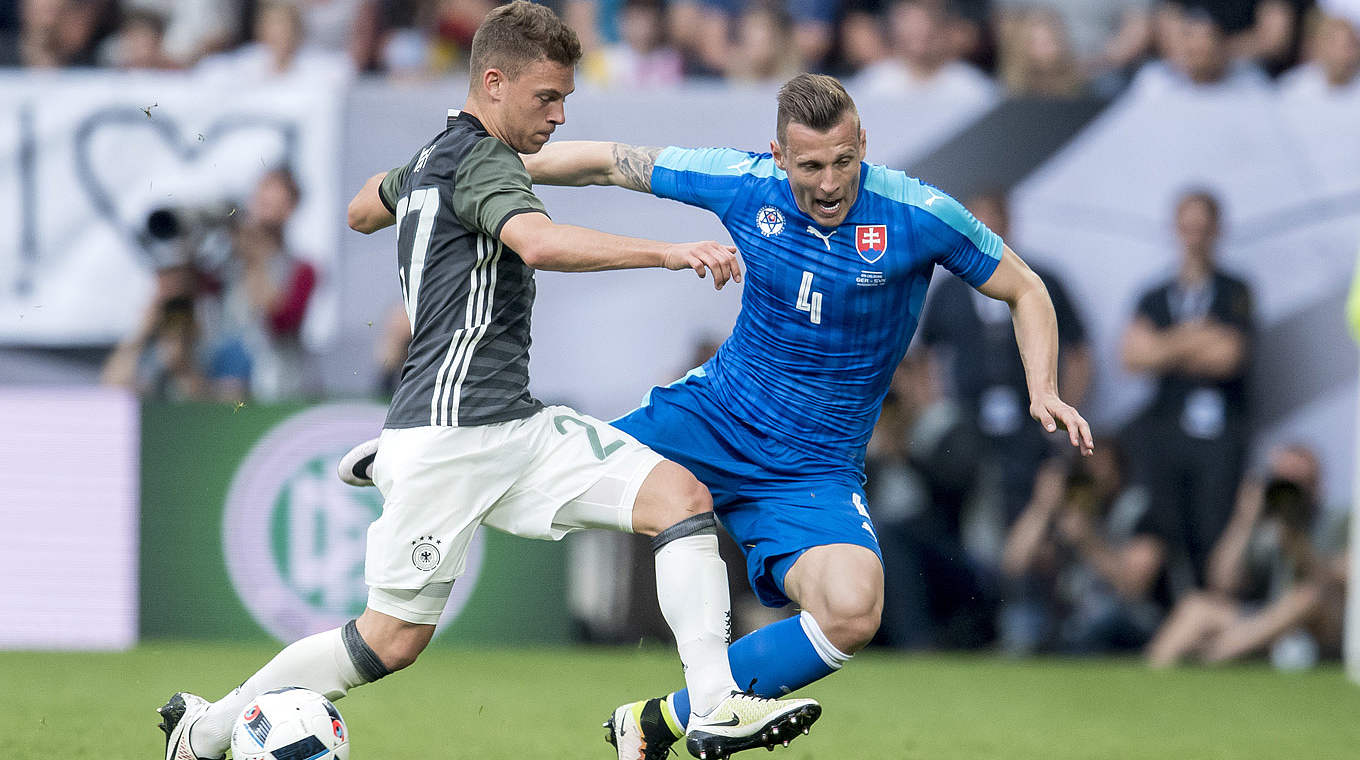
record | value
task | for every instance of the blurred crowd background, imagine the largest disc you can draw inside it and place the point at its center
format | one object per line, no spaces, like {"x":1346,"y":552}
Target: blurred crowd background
{"x":1173,"y":541}
{"x":1016,"y":47}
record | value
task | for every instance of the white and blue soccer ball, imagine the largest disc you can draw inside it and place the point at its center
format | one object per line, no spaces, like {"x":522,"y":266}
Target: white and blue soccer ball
{"x":290,"y":724}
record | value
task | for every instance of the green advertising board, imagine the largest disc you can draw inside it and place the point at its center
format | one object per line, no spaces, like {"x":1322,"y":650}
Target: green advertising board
{"x":247,"y":534}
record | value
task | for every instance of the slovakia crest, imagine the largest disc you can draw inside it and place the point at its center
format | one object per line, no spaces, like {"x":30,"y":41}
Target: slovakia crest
{"x":871,"y":241}
{"x":770,"y":221}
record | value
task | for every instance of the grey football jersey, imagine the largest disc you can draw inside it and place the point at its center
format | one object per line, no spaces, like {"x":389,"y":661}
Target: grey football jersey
{"x":468,"y":296}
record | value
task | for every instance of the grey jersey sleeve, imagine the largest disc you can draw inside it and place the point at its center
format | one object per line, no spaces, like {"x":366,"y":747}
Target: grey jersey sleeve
{"x":492,"y":186}
{"x":389,"y":190}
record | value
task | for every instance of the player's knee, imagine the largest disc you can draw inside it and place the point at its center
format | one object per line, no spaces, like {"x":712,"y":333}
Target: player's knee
{"x":852,"y":619}
{"x":396,"y":643}
{"x":401,"y":650}
{"x":692,"y":498}
{"x":670,"y":496}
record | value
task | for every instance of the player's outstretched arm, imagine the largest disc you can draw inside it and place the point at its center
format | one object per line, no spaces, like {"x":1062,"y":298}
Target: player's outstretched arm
{"x":1036,"y":332}
{"x":544,"y":244}
{"x":581,"y":162}
{"x":366,"y":211}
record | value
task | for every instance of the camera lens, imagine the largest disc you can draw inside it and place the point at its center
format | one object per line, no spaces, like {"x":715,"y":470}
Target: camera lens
{"x":162,"y":224}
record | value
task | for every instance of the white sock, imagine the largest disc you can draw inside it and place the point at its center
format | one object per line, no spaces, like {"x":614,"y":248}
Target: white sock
{"x":319,"y":662}
{"x":833,"y":657}
{"x":691,"y":588}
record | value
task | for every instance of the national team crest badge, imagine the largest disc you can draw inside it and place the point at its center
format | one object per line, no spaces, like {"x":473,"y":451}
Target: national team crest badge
{"x":871,"y":241}
{"x":770,"y":221}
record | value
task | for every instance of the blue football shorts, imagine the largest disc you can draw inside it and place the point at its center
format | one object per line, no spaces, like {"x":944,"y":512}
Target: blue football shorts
{"x":775,"y":501}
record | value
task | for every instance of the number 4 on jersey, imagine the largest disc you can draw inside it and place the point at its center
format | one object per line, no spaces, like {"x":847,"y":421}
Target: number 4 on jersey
{"x":809,"y":301}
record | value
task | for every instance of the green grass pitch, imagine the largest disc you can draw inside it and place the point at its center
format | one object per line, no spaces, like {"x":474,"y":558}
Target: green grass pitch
{"x":544,"y":703}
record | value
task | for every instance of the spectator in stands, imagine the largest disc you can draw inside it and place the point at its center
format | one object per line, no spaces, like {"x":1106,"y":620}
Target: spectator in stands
{"x":862,"y":41}
{"x":1108,"y":38}
{"x":922,"y":60}
{"x":764,"y":49}
{"x":140,"y":43}
{"x":1277,"y":570}
{"x":1196,"y":55}
{"x":975,"y":340}
{"x":401,"y":48}
{"x":266,"y":291}
{"x":642,"y":60}
{"x":60,"y":33}
{"x":1086,"y":565}
{"x":454,"y":24}
{"x":701,"y":31}
{"x":1193,"y":335}
{"x":195,"y":28}
{"x":1037,"y":56}
{"x":814,"y":31}
{"x":160,"y":360}
{"x":922,"y":465}
{"x":276,"y":52}
{"x":1333,"y":61}
{"x":338,"y":25}
{"x":1274,"y":38}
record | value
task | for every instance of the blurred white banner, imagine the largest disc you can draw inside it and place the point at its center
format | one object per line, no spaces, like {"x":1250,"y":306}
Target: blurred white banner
{"x":84,"y":158}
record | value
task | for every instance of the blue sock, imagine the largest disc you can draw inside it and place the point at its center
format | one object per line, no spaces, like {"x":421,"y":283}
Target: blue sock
{"x":771,"y":662}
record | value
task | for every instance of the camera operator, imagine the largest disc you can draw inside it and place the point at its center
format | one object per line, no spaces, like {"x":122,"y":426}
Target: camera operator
{"x":1087,"y":563}
{"x":160,"y":359}
{"x":1275,"y":576}
{"x":265,"y":293}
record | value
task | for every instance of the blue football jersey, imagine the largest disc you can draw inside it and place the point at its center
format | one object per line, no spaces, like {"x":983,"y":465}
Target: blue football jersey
{"x":826,"y":314}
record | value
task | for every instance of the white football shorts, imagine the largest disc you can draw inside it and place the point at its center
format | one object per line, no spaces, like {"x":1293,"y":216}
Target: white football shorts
{"x":542,"y":477}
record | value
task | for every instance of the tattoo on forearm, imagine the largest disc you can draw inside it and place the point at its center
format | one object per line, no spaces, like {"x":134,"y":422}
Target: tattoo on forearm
{"x":635,"y":166}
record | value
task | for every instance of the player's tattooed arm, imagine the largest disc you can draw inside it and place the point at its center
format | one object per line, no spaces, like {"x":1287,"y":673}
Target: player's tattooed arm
{"x":633,"y":166}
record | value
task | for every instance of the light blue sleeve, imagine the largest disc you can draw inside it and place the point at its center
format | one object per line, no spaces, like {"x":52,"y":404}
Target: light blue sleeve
{"x":941,"y":226}
{"x":705,"y":177}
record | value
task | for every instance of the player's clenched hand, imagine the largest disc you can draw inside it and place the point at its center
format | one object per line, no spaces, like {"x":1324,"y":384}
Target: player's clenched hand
{"x":1053,"y":413}
{"x":703,"y":256}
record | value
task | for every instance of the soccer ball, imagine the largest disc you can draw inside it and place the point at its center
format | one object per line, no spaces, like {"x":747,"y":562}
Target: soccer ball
{"x":290,"y":724}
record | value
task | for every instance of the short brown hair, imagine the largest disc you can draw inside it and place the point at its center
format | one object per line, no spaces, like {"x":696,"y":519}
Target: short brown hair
{"x":813,"y":100}
{"x":516,"y":34}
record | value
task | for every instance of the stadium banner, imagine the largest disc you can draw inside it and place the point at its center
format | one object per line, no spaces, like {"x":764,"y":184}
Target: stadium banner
{"x":248,"y":534}
{"x":85,"y":158}
{"x":68,"y":548}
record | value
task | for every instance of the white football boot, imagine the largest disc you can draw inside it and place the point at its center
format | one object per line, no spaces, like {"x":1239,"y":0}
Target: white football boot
{"x":743,"y":721}
{"x":356,"y":466}
{"x":178,"y":716}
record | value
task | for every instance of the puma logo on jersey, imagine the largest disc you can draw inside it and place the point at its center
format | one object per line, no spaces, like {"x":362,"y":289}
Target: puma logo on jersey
{"x":824,"y":238}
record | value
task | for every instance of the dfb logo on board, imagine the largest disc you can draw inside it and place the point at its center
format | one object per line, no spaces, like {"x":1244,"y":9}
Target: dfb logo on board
{"x":294,"y":536}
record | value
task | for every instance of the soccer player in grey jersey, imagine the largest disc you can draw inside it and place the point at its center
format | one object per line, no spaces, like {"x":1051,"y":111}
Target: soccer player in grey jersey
{"x":465,"y":444}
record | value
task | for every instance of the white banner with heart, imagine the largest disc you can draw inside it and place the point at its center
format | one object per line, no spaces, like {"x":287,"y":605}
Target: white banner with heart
{"x":85,"y":158}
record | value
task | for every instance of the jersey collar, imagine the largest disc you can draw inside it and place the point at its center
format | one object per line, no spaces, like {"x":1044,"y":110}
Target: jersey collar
{"x":456,"y":115}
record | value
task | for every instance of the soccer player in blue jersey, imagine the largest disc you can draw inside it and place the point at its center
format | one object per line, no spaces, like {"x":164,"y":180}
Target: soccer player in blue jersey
{"x":838,"y":256}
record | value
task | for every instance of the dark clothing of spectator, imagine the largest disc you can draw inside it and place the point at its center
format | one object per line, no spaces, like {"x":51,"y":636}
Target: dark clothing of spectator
{"x":1191,"y":441}
{"x":1094,"y":617}
{"x":933,"y":595}
{"x":976,"y":340}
